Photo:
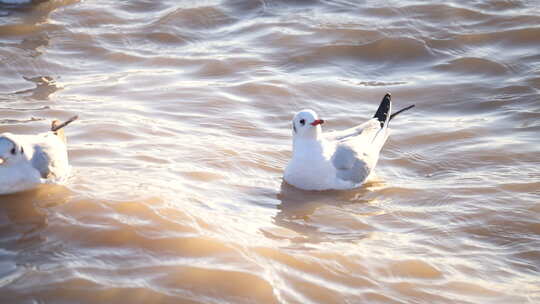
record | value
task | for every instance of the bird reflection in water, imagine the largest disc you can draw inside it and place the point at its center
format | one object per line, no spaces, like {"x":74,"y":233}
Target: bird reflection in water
{"x":24,"y":215}
{"x":306,"y":216}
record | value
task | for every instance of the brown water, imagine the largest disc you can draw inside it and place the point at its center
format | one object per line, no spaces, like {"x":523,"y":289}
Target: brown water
{"x":185,"y":108}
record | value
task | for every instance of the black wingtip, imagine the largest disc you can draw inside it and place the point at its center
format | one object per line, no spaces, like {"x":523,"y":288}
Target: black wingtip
{"x":384,"y":109}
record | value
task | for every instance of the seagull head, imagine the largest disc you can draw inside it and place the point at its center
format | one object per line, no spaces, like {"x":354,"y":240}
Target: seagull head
{"x":306,"y":124}
{"x":10,"y":151}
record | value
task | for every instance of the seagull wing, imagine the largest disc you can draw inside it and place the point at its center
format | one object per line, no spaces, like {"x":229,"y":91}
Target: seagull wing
{"x":355,"y":156}
{"x":344,"y":134}
{"x":357,"y":149}
{"x":50,"y":156}
{"x":41,"y":162}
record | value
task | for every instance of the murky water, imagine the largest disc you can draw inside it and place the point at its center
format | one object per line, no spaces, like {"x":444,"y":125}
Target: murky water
{"x":185,"y":107}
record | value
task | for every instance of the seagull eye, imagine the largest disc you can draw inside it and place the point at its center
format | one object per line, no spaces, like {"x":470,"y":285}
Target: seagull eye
{"x":302,"y":121}
{"x":13,"y":151}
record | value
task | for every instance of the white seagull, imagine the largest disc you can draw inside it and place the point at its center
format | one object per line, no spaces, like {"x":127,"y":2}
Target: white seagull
{"x":340,"y":159}
{"x":29,"y":160}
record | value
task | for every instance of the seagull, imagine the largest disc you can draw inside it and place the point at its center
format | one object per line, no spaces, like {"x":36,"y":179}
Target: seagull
{"x":29,"y":160}
{"x":336,"y":160}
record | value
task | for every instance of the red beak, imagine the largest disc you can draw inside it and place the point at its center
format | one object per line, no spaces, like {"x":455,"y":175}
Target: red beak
{"x":317,"y":122}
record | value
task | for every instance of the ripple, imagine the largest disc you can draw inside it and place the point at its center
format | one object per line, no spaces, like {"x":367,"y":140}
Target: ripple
{"x":468,"y":66}
{"x":380,"y":52}
{"x":415,"y":269}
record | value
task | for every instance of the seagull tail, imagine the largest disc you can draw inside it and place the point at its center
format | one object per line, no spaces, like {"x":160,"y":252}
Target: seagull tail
{"x":383,"y":111}
{"x":400,"y":111}
{"x":57,"y":127}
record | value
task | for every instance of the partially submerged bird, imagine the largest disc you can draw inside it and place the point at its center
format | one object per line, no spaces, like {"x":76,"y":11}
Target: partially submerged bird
{"x":339,"y":159}
{"x":29,"y":160}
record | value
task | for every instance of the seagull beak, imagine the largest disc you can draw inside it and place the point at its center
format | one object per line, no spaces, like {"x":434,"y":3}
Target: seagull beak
{"x":317,"y":122}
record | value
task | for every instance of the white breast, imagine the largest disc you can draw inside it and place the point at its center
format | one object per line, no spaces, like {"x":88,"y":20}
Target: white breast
{"x":18,"y":178}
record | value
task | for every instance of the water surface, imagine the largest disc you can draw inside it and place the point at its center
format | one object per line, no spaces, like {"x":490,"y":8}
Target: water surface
{"x":185,"y":108}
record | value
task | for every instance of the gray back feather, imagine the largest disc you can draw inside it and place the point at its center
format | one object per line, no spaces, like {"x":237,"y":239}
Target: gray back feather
{"x":41,"y":161}
{"x":349,"y":164}
{"x":352,"y":159}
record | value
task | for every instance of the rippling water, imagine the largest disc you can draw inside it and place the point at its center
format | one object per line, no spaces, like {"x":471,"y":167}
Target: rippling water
{"x":185,"y":107}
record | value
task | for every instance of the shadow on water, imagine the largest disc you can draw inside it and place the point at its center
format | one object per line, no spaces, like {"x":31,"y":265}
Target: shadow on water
{"x":24,"y":215}
{"x":33,"y":9}
{"x":23,"y":26}
{"x":300,"y":211}
{"x":45,"y":86}
{"x":20,"y":224}
{"x":23,"y":222}
{"x":17,"y":6}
